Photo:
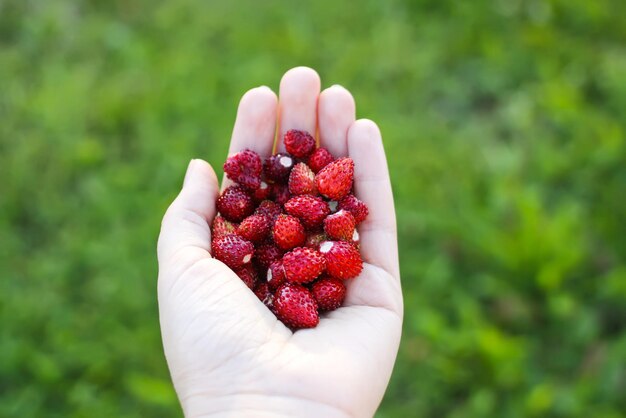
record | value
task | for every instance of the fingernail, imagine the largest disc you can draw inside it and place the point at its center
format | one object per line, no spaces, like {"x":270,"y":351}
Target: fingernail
{"x":190,"y":169}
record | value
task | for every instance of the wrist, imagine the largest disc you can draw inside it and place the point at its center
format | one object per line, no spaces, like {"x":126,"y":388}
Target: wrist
{"x":256,"y":405}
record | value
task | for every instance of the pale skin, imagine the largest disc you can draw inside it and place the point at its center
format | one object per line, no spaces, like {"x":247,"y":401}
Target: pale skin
{"x":227,"y":353}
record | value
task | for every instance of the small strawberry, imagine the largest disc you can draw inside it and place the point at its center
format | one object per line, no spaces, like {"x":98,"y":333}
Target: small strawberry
{"x":266,"y":253}
{"x":254,"y":228}
{"x":302,"y":180}
{"x":311,"y":210}
{"x":288,"y":232}
{"x":277,"y":167}
{"x":343,"y":260}
{"x":300,"y":144}
{"x":233,"y":250}
{"x":303,"y":265}
{"x":262,"y":292}
{"x":221,"y":227}
{"x":280,"y":193}
{"x":248,"y":275}
{"x":262,"y":193}
{"x":313,"y":240}
{"x":335,"y":180}
{"x":320,"y":159}
{"x":245,"y":168}
{"x":357,"y":208}
{"x":275,"y":275}
{"x":269,"y":209}
{"x":329,"y":293}
{"x":235,"y":204}
{"x":295,"y":306}
{"x":339,"y":225}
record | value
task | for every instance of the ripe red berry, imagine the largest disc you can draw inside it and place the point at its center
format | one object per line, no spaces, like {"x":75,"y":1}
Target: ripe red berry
{"x":266,"y":253}
{"x":221,"y":227}
{"x":303,"y":265}
{"x":313,"y":240}
{"x":335,"y":180}
{"x":280,"y":193}
{"x":339,"y":225}
{"x":254,"y":228}
{"x":295,"y":306}
{"x":302,"y":180}
{"x":277,"y":167}
{"x":275,"y":275}
{"x":233,"y":250}
{"x":235,"y":204}
{"x":329,"y":293}
{"x":269,"y":209}
{"x":288,"y":232}
{"x":300,"y":144}
{"x":320,"y":159}
{"x":311,"y":210}
{"x":262,"y":193}
{"x":357,"y":208}
{"x":245,"y":168}
{"x":343,"y":260}
{"x":248,"y":275}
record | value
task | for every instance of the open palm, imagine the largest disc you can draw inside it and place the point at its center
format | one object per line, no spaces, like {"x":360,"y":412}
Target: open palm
{"x":227,"y":353}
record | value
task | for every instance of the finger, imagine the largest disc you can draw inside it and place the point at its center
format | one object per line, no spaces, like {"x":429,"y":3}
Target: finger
{"x":297,"y":104}
{"x":372,"y":185}
{"x":255,"y":125}
{"x":186,"y":223}
{"x":336,"y":112}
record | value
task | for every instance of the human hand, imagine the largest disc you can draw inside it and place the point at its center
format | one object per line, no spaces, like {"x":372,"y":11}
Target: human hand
{"x":227,"y":353}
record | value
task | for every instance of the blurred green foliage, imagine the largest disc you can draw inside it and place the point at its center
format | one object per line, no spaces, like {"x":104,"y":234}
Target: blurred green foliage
{"x":505,"y":128}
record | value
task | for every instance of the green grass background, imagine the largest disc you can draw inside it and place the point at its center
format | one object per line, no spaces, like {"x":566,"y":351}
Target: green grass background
{"x":505,"y":127}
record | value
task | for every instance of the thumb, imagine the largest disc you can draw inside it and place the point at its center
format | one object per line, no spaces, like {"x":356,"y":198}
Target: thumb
{"x":188,"y":276}
{"x":185,"y":233}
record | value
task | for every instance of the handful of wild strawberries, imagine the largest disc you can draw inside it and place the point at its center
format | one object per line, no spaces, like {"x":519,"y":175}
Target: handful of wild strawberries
{"x":288,"y":228}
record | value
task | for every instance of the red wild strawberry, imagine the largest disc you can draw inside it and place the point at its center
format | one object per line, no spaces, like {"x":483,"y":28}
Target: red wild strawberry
{"x":302,"y":180}
{"x":277,"y":167}
{"x":233,"y":250}
{"x":245,"y":168}
{"x":254,"y":228}
{"x":269,"y":209}
{"x":303,"y":265}
{"x":275,"y":275}
{"x":266,"y":253}
{"x":335,"y":180}
{"x":280,"y":192}
{"x":339,"y":225}
{"x":357,"y":208}
{"x":343,"y":260}
{"x":314,"y":240}
{"x":329,"y":293}
{"x":311,"y":210}
{"x":295,"y":306}
{"x":221,"y":227}
{"x":262,"y":292}
{"x":248,"y":275}
{"x":300,"y":144}
{"x":288,"y":232}
{"x":262,"y":193}
{"x":320,"y":159}
{"x":235,"y":204}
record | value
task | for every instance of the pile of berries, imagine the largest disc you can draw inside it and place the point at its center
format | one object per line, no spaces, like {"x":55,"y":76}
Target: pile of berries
{"x":287,"y":228}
